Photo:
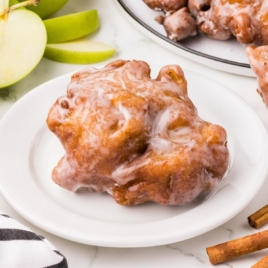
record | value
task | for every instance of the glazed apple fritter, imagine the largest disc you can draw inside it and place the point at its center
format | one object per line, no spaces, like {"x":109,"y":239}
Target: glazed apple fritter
{"x":137,"y":138}
{"x":244,"y":19}
{"x":218,"y":19}
{"x":258,"y":59}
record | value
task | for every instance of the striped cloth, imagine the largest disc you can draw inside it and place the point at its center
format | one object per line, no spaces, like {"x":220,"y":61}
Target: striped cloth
{"x":22,"y":248}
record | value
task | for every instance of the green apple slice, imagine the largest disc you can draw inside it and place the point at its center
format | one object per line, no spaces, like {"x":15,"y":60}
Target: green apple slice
{"x":73,"y":26}
{"x":81,"y":51}
{"x":22,"y":44}
{"x":46,"y":8}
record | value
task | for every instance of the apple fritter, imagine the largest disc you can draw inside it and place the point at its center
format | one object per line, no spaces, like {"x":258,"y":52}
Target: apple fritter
{"x":244,"y":19}
{"x":137,"y":138}
{"x":166,"y":5}
{"x":258,"y":59}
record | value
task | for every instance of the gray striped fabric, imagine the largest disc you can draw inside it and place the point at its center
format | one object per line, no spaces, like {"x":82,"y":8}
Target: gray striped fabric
{"x":22,"y":248}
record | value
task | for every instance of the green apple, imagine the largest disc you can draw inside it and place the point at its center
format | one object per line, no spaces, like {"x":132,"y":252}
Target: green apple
{"x":22,"y":42}
{"x":81,"y":51}
{"x":46,"y":8}
{"x":73,"y":26}
{"x":13,"y":2}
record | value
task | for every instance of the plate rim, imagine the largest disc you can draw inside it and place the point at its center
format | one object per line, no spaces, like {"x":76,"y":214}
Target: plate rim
{"x":138,"y":243}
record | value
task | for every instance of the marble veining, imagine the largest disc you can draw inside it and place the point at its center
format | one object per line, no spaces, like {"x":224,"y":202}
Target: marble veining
{"x":186,"y":254}
{"x":93,"y":258}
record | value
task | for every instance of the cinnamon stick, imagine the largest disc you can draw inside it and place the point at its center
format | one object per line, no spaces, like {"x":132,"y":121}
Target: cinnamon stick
{"x":263,"y":263}
{"x":238,"y":247}
{"x":259,"y":218}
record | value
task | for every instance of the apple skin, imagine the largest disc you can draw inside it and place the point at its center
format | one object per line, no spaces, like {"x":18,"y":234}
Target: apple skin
{"x":13,"y":2}
{"x":81,"y":51}
{"x":22,"y":45}
{"x":46,"y":8}
{"x":73,"y":26}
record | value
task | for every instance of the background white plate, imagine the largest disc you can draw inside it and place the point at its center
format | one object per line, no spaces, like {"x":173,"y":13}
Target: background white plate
{"x":28,"y":152}
{"x":228,"y":56}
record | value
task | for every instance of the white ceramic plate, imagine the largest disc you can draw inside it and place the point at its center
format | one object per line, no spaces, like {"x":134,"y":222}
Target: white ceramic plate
{"x":228,"y":56}
{"x":29,"y":151}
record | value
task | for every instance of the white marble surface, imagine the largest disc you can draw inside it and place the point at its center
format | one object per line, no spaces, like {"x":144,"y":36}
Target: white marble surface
{"x":131,"y":44}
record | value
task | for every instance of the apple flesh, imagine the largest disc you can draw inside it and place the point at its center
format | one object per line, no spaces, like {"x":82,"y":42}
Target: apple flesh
{"x":70,"y":27}
{"x":81,"y":51}
{"x":22,"y":44}
{"x":46,"y":8}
